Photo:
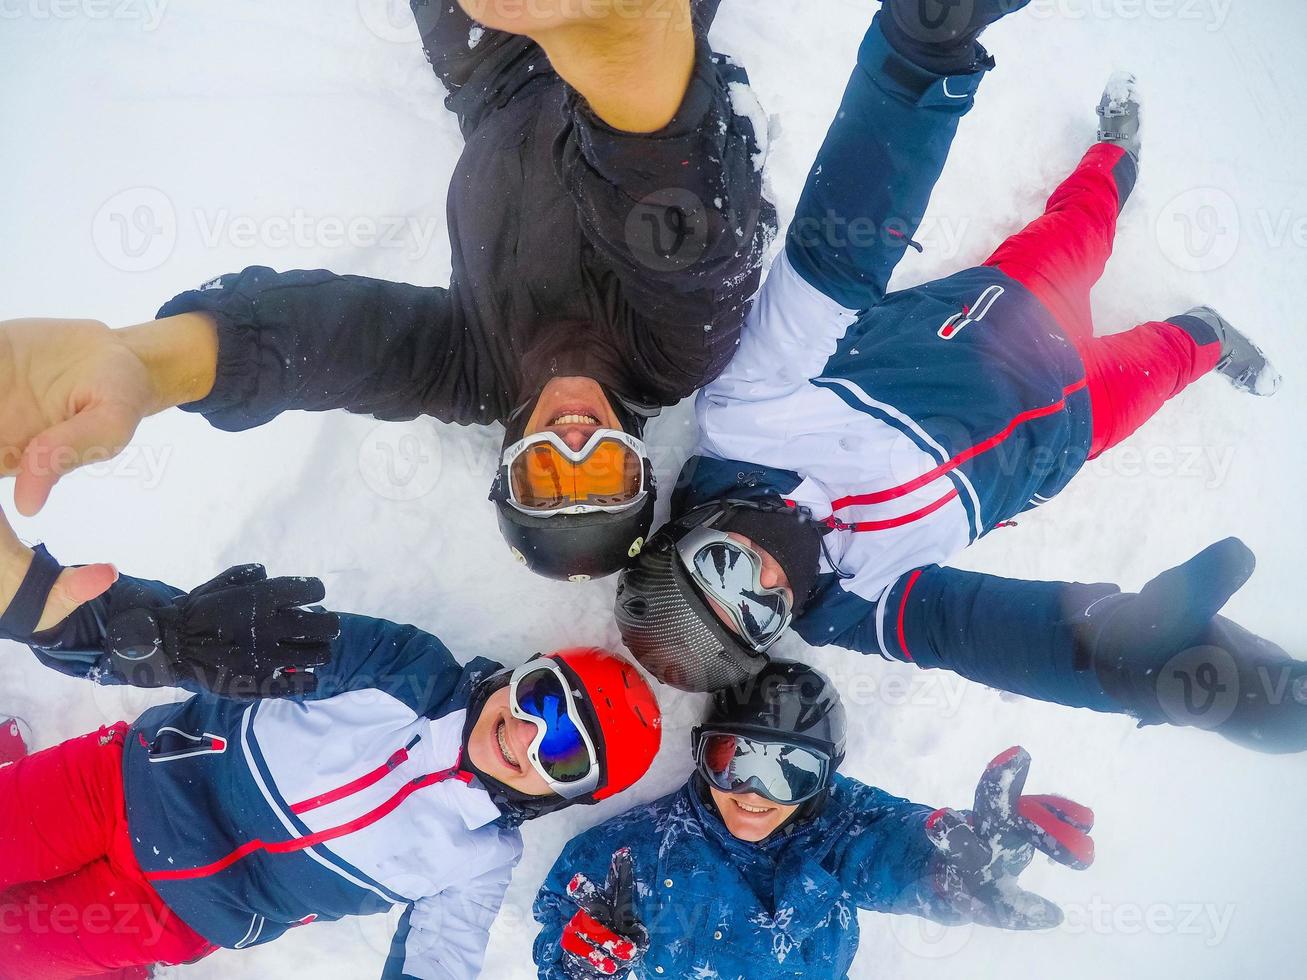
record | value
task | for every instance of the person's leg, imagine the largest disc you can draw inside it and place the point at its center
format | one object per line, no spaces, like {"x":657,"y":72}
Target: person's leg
{"x":1131,"y":375}
{"x":59,"y":807}
{"x":1061,"y":254}
{"x":103,"y":922}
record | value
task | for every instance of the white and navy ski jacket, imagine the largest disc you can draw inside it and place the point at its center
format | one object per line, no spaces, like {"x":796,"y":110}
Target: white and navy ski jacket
{"x":910,"y":423}
{"x":253,"y":818}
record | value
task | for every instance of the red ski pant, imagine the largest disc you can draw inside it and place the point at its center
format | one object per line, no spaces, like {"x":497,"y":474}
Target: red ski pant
{"x":1060,"y":256}
{"x":73,"y":900}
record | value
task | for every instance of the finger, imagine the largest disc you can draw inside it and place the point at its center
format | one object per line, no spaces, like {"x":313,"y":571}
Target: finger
{"x":1023,"y":910}
{"x":621,"y":887}
{"x":1076,"y":814}
{"x":583,"y":892}
{"x":234,"y":576}
{"x":1000,"y":787}
{"x":1185,"y":598}
{"x":577,"y":945}
{"x":956,"y":840}
{"x":307,"y":625}
{"x":295,"y":590}
{"x":1061,"y":841}
{"x":73,"y":588}
{"x":92,"y":435}
{"x":602,"y":937}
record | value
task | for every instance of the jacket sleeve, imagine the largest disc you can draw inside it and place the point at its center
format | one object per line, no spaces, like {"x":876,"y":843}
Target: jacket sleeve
{"x":77,"y":645}
{"x":1008,"y":634}
{"x":409,"y":664}
{"x":444,"y":937}
{"x":315,"y":341}
{"x":886,"y":861}
{"x":679,"y":217}
{"x":873,"y":176}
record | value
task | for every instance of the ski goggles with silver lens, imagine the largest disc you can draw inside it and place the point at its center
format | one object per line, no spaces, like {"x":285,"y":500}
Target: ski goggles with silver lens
{"x":562,"y":751}
{"x":542,"y":475}
{"x":783,"y":772}
{"x":730,"y":574}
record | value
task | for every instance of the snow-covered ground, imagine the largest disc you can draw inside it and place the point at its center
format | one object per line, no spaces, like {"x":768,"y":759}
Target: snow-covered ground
{"x":149,"y":145}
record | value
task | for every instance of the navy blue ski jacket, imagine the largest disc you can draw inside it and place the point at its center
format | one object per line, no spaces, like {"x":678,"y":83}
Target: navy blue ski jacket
{"x":716,"y":906}
{"x":252,"y":818}
{"x":911,"y":423}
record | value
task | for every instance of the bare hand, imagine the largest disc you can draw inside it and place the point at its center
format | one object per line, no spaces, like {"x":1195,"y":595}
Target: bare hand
{"x":74,"y":586}
{"x":71,"y":393}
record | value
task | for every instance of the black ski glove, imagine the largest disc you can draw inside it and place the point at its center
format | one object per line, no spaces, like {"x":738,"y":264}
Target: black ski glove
{"x":1166,"y":656}
{"x":983,"y":852}
{"x":604,"y":936}
{"x":240,"y":635}
{"x":940,"y":35}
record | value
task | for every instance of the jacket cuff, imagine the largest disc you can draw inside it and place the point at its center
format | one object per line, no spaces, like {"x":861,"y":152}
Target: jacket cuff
{"x":920,"y":80}
{"x":235,"y":381}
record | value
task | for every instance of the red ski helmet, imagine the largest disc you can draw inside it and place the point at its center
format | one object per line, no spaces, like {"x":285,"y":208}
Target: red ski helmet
{"x":625,"y":711}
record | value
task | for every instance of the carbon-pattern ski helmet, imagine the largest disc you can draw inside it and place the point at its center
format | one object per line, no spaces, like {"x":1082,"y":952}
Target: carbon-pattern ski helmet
{"x":576,"y":547}
{"x":668,"y":625}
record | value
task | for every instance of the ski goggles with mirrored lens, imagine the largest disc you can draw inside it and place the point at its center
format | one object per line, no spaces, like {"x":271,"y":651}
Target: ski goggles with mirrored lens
{"x":783,"y":772}
{"x":562,"y":751}
{"x":545,"y":476}
{"x":730,"y":574}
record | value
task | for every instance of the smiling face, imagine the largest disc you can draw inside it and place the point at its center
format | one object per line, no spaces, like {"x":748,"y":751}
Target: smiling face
{"x":498,"y":747}
{"x":748,"y":816}
{"x":573,"y":408}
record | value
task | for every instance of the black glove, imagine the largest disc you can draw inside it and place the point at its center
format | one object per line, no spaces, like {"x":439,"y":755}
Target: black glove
{"x":940,"y":35}
{"x":1166,"y":656}
{"x":982,"y":853}
{"x":604,"y":936}
{"x":240,"y":635}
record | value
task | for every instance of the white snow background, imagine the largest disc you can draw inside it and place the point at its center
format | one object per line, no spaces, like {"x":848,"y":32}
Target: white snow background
{"x":148,"y":146}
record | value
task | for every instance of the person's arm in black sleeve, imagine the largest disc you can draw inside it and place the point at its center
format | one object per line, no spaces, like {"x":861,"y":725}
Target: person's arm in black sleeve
{"x":679,"y":216}
{"x":1162,"y":655}
{"x":314,"y":341}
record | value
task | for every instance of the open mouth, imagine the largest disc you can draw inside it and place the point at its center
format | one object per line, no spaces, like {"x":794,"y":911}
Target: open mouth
{"x":574,"y":418}
{"x":751,"y":809}
{"x":505,"y":752}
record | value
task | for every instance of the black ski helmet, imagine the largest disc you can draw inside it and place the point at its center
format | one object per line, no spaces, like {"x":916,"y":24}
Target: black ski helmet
{"x":666,"y":622}
{"x":785,"y":701}
{"x":576,"y":547}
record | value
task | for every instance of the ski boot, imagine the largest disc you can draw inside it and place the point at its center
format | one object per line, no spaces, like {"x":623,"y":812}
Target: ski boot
{"x":1242,"y":362}
{"x":1119,"y":112}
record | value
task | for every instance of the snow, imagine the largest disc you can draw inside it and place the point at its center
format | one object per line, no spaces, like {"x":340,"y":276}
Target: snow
{"x":152,"y":146}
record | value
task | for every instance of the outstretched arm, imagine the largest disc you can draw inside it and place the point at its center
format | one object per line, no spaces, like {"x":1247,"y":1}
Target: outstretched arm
{"x":1162,"y":655}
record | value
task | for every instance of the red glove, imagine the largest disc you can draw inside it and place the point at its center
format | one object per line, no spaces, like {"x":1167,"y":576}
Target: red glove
{"x":983,"y":852}
{"x":604,"y":936}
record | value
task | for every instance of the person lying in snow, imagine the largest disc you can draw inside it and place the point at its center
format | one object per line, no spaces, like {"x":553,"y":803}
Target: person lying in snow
{"x":607,"y":225}
{"x":757,"y":866}
{"x":859,"y":440}
{"x":396,"y":777}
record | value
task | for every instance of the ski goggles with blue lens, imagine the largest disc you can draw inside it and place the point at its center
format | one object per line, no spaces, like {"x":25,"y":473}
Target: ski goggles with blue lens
{"x":730,"y":574}
{"x":562,"y":752}
{"x":783,"y":772}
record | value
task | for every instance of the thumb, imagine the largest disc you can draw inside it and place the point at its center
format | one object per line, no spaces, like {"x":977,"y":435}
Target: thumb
{"x":73,"y":588}
{"x":1187,"y":597}
{"x":92,"y":435}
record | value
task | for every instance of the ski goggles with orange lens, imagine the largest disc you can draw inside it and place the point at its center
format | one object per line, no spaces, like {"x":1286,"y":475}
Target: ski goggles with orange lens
{"x":562,"y":752}
{"x":543,"y":475}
